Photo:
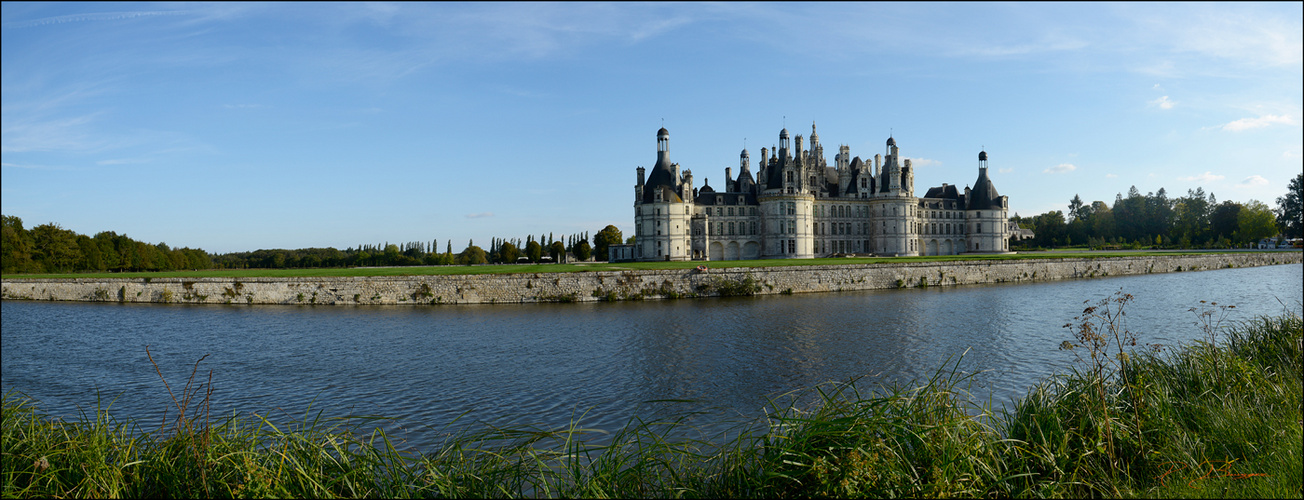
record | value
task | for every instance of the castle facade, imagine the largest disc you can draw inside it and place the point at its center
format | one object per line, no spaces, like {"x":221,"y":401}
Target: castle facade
{"x":797,"y":206}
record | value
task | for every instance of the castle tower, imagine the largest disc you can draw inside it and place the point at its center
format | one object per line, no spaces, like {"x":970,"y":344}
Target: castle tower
{"x":663,"y":208}
{"x":986,"y":215}
{"x":787,"y":209}
{"x":895,"y":226}
{"x":892,"y":167}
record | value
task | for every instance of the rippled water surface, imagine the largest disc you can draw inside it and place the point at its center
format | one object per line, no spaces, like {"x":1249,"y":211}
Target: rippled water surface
{"x":547,"y":363}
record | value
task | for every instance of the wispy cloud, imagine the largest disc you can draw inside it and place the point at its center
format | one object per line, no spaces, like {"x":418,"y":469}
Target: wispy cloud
{"x":1247,"y":35}
{"x":1259,"y":122}
{"x":1005,"y":170}
{"x":480,"y":215}
{"x":22,"y":134}
{"x":1163,"y":103}
{"x":1205,"y":177}
{"x":1111,"y":176}
{"x":121,"y":161}
{"x":924,"y":162}
{"x":30,"y":166}
{"x":1062,"y":168}
{"x":88,"y":17}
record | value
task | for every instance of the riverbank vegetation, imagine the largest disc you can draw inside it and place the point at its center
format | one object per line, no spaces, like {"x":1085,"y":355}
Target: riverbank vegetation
{"x":1220,"y":418}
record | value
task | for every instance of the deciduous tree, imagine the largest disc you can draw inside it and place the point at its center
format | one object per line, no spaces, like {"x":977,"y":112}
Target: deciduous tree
{"x":1290,"y":208}
{"x":608,"y":236}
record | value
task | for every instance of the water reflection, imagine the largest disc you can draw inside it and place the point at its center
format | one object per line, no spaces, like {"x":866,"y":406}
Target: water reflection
{"x":546,"y":363}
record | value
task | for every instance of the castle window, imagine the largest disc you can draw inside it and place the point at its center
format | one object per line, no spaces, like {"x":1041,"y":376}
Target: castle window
{"x":751,"y":210}
{"x":792,"y":227}
{"x":731,"y":212}
{"x":731,"y":228}
{"x":789,"y":176}
{"x":658,"y":211}
{"x":753,"y":228}
{"x":719,"y":211}
{"x":792,"y":208}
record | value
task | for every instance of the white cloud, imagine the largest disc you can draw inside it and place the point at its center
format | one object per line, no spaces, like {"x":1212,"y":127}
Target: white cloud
{"x":1253,"y":181}
{"x":1205,"y":177}
{"x":1062,"y":168}
{"x":1260,"y":122}
{"x":1163,"y":103}
{"x":1005,"y":170}
{"x":924,"y":162}
{"x":1111,"y":176}
{"x":480,"y":215}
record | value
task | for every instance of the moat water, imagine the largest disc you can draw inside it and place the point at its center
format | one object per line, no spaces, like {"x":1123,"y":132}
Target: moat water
{"x":545,"y":364}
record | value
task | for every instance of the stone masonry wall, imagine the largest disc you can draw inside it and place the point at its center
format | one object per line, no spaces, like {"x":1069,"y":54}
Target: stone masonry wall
{"x":613,"y":285}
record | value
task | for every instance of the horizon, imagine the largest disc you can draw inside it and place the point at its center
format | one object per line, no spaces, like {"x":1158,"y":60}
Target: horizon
{"x":235,"y":127}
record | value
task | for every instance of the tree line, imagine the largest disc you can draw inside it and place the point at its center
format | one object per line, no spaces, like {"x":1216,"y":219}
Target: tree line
{"x":1196,"y":220}
{"x":49,"y":248}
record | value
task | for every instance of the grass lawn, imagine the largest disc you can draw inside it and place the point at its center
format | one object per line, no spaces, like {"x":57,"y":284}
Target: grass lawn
{"x":586,"y":266}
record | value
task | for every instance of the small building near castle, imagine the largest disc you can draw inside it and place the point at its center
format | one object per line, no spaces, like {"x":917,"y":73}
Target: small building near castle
{"x":797,"y":206}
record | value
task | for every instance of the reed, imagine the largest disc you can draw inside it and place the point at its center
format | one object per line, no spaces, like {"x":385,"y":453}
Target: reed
{"x":1206,"y":420}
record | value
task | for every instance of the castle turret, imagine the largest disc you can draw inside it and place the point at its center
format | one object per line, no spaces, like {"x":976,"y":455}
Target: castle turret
{"x":986,"y":214}
{"x":663,"y":209}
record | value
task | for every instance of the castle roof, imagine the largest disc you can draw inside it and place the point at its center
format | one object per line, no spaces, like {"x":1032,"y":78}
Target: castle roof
{"x":948,"y":192}
{"x":984,"y":195}
{"x":662,"y":176}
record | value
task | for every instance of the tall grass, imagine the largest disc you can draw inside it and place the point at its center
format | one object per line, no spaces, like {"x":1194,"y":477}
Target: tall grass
{"x":1206,"y":420}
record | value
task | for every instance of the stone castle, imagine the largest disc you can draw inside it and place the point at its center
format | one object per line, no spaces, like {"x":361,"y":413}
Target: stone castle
{"x":797,"y":206}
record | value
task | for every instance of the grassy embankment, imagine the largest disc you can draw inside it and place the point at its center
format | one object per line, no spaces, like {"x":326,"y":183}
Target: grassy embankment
{"x":1208,"y":420}
{"x":581,"y":267}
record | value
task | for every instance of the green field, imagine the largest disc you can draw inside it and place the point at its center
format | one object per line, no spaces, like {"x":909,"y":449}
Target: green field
{"x":582,"y":267}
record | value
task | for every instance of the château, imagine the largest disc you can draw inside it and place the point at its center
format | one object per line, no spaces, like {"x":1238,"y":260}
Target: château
{"x":797,"y":206}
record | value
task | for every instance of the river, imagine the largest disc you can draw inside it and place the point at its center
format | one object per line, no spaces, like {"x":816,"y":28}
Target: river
{"x":427,"y":367}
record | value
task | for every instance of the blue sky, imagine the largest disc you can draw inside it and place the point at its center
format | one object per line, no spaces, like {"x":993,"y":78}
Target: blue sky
{"x":234,"y":127}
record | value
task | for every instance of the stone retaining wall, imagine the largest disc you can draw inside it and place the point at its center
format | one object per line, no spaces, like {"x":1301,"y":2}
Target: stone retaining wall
{"x":614,"y":285}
